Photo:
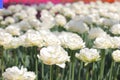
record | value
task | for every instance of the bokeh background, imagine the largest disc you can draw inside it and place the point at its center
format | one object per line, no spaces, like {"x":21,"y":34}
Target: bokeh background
{"x":54,"y":1}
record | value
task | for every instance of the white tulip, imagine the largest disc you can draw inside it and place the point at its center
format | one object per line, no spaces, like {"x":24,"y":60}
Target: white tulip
{"x":31,"y":11}
{"x":104,"y":42}
{"x":88,"y":55}
{"x":49,"y":38}
{"x":96,"y":32}
{"x":13,"y":29}
{"x":13,"y":44}
{"x":77,"y":26}
{"x":54,"y":55}
{"x":14,"y":73}
{"x":68,"y":12}
{"x":116,"y":42}
{"x":116,"y":55}
{"x":60,"y":20}
{"x":5,"y":38}
{"x":115,"y":29}
{"x":9,"y":20}
{"x":35,"y":23}
{"x":71,"y":40}
{"x":33,"y":38}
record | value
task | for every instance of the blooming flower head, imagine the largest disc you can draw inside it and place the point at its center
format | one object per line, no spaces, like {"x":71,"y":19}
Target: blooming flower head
{"x":116,"y":55}
{"x":71,"y":40}
{"x":13,"y":29}
{"x":5,"y":38}
{"x":88,"y":55}
{"x":68,"y":12}
{"x":33,"y":38}
{"x":60,"y":20}
{"x":116,"y":42}
{"x":14,"y":43}
{"x":35,"y":23}
{"x":56,"y":8}
{"x":76,"y":26}
{"x":24,"y":25}
{"x":54,"y":55}
{"x":47,"y":19}
{"x":115,"y":29}
{"x":49,"y":38}
{"x":15,"y":73}
{"x":104,"y":42}
{"x":31,"y":11}
{"x":9,"y":20}
{"x":96,"y":32}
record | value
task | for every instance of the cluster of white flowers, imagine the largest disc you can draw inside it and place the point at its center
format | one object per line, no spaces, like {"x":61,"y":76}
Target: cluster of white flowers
{"x":14,"y":73}
{"x":105,"y":42}
{"x":28,"y":26}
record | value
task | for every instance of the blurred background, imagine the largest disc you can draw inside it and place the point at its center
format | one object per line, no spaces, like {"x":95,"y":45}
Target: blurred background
{"x":54,"y":1}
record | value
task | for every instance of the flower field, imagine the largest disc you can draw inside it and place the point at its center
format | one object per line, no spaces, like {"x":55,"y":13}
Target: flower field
{"x":71,"y":41}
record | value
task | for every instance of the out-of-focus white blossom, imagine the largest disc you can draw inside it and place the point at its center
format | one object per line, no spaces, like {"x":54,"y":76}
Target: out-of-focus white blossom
{"x":116,"y":55}
{"x":115,"y":29}
{"x":14,"y":43}
{"x":13,"y":29}
{"x":104,"y":42}
{"x":5,"y":38}
{"x":96,"y":32}
{"x":49,"y":5}
{"x":88,"y":55}
{"x":33,"y":38}
{"x":60,"y":20}
{"x":49,"y":38}
{"x":77,"y":26}
{"x":107,"y":22}
{"x":54,"y":55}
{"x":14,"y":73}
{"x":31,"y":11}
{"x":9,"y":20}
{"x":35,"y":23}
{"x":116,"y":42}
{"x":15,"y":8}
{"x":20,"y":15}
{"x":85,"y":19}
{"x":47,"y":19}
{"x":57,"y":8}
{"x":46,"y":16}
{"x":68,"y":12}
{"x":71,"y":40}
{"x":5,"y":12}
{"x":24,"y":25}
{"x":1,"y":18}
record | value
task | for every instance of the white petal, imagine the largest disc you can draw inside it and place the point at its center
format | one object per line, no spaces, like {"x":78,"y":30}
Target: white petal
{"x":61,"y":65}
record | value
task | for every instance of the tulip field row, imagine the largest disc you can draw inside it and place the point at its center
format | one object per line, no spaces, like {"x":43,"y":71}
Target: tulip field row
{"x":72,"y":41}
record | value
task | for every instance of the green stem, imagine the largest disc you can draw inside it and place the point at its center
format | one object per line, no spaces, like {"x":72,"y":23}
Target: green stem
{"x":111,"y":70}
{"x":51,"y":73}
{"x":87,"y":73}
{"x":73,"y":64}
{"x":79,"y":74}
{"x":42,"y":71}
{"x":70,"y":67}
{"x":36,"y":69}
{"x":63,"y":74}
{"x":93,"y":72}
{"x":2,"y":64}
{"x":117,"y":73}
{"x":36,"y":62}
{"x":102,"y":65}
